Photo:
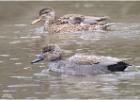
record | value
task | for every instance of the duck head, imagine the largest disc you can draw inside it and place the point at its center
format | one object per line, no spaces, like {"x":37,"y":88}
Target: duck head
{"x":52,"y":52}
{"x":45,"y":14}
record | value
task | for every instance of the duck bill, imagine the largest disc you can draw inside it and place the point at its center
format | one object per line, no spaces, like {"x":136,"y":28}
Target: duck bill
{"x":36,"y":20}
{"x":40,"y":57}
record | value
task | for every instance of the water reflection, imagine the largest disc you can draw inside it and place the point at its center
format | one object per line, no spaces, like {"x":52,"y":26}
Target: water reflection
{"x":20,"y":42}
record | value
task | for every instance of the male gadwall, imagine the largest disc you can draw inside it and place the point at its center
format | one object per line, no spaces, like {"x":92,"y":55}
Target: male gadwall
{"x":79,"y":64}
{"x":70,"y":22}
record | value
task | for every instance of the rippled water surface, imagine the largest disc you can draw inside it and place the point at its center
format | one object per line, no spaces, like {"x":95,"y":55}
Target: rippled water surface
{"x":20,"y":42}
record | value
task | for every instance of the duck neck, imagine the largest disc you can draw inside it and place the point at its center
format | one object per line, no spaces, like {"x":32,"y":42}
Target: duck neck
{"x":54,"y":57}
{"x":46,"y":25}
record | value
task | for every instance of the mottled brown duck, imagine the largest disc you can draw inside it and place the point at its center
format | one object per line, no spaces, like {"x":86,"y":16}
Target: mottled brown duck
{"x":70,"y":23}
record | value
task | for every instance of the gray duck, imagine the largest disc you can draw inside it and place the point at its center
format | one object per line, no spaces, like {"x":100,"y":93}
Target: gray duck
{"x":79,"y":64}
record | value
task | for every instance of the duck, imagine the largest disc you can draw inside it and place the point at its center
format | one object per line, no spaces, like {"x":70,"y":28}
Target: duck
{"x":79,"y":64}
{"x":70,"y":23}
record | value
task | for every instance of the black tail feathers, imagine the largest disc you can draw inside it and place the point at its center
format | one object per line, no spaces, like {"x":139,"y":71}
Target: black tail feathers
{"x":120,"y":66}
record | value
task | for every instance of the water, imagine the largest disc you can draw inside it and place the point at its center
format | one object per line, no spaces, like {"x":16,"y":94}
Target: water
{"x":20,"y":42}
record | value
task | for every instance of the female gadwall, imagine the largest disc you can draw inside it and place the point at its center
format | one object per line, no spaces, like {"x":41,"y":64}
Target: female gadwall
{"x":70,"y":22}
{"x":79,"y":64}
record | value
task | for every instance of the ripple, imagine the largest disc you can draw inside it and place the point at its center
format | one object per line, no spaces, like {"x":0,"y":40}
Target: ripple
{"x":23,"y":85}
{"x":1,"y":61}
{"x":128,"y":75}
{"x":88,"y":5}
{"x":138,"y":66}
{"x":25,"y":48}
{"x":135,"y":84}
{"x":42,"y":66}
{"x":4,"y":55}
{"x":21,"y":77}
{"x":27,"y":68}
{"x":31,"y":97}
{"x":15,"y":42}
{"x":18,"y":63}
{"x":14,"y":59}
{"x":36,"y":37}
{"x":25,"y":37}
{"x":2,"y":37}
{"x":20,"y":25}
{"x":92,"y":36}
{"x":39,"y":30}
{"x":41,"y":63}
{"x":17,"y":32}
{"x":7,"y":95}
{"x":7,"y":91}
{"x":42,"y":74}
{"x":30,"y":37}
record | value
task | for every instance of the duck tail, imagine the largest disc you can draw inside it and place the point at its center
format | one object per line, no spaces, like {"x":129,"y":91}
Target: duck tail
{"x":104,"y":18}
{"x":107,"y":26}
{"x":107,"y":17}
{"x":120,"y":66}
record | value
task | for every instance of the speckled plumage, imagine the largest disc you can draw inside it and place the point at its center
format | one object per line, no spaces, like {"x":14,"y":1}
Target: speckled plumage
{"x":71,"y":23}
{"x":66,"y":28}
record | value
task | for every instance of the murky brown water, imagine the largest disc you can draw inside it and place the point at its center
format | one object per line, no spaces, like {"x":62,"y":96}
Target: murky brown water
{"x":20,"y":42}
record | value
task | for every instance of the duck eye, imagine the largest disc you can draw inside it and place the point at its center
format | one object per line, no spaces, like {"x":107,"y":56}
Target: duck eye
{"x":43,"y":12}
{"x":46,"y":49}
{"x":48,"y":14}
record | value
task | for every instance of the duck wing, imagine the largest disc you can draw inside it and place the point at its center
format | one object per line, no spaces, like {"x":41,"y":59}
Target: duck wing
{"x":84,"y":59}
{"x":97,"y":18}
{"x":94,"y":20}
{"x":71,"y":15}
{"x":93,"y":59}
{"x":67,"y":17}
